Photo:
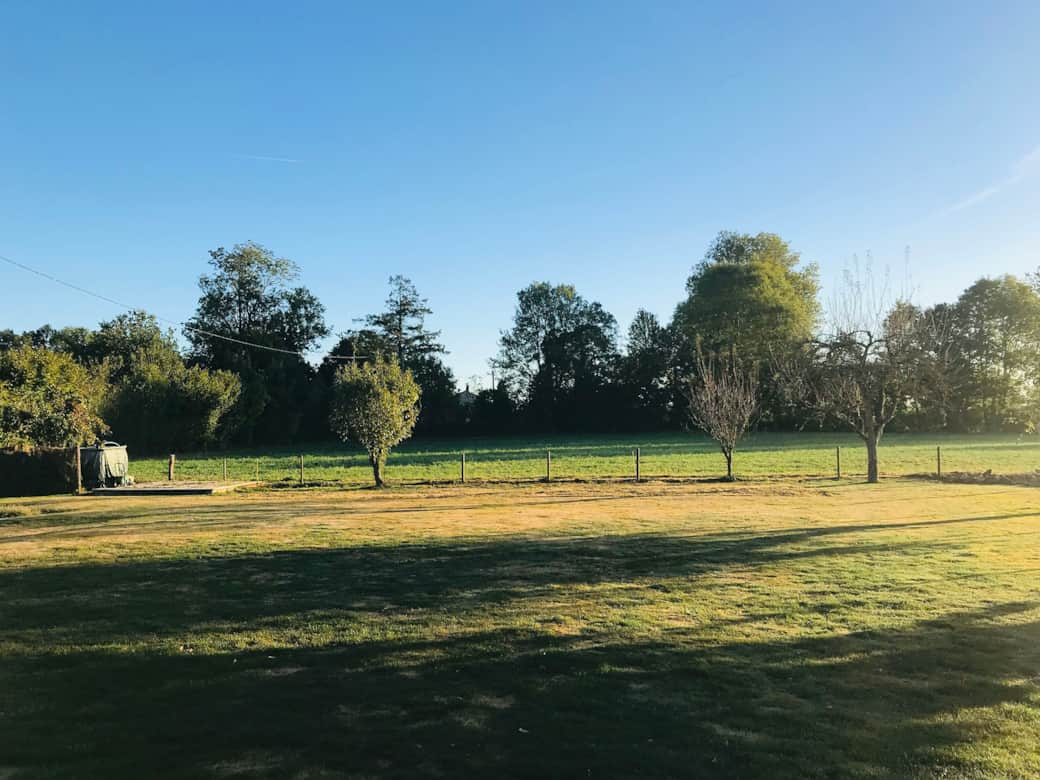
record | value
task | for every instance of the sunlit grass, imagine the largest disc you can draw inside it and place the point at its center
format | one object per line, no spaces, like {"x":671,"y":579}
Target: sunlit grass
{"x":608,"y":457}
{"x":774,"y":630}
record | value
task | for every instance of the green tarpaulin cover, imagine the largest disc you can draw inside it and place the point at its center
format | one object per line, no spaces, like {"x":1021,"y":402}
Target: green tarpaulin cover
{"x":104,"y":465}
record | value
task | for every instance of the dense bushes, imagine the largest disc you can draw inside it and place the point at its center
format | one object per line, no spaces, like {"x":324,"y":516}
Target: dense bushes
{"x":126,"y":380}
{"x":47,"y":399}
{"x":172,"y":408}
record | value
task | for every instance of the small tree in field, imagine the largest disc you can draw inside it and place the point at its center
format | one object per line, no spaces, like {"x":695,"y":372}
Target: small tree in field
{"x":865,"y":368}
{"x":376,"y":404}
{"x":723,"y":401}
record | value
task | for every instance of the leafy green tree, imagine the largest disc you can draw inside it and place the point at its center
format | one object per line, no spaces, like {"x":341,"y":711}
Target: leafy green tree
{"x":441,"y":410}
{"x":74,"y":341}
{"x":560,"y":355}
{"x":47,"y":399}
{"x":130,"y":339}
{"x":646,"y":373}
{"x":375,"y":404}
{"x":998,"y":324}
{"x":749,"y":297}
{"x":493,"y":410}
{"x":249,"y":296}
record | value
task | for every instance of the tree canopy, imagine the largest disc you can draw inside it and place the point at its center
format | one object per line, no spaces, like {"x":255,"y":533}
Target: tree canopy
{"x":400,"y":331}
{"x":749,"y":297}
{"x":560,"y":353}
{"x":47,"y":399}
{"x":647,"y":372}
{"x":244,"y":378}
{"x":998,"y":324}
{"x":249,"y":296}
{"x":375,"y":404}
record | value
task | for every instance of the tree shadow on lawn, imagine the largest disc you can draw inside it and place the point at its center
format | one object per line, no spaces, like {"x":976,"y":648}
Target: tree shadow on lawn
{"x":467,"y":700}
{"x":523,"y":703}
{"x":106,"y":602}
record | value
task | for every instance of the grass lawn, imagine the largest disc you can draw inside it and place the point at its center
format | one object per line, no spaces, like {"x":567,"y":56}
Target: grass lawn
{"x":571,"y":630}
{"x":592,"y":457}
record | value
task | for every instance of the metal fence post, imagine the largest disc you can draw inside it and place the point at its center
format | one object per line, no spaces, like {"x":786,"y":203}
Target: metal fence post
{"x":171,"y":468}
{"x":837,"y":456}
{"x":637,"y":464}
{"x":548,"y":464}
{"x":462,"y":466}
{"x":938,"y":463}
{"x":301,"y":469}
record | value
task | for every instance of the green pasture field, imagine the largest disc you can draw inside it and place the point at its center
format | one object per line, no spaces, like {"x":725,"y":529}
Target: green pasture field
{"x":608,"y":630}
{"x":776,"y":455}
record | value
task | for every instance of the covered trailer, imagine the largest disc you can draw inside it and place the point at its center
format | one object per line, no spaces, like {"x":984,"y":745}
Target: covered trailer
{"x":104,"y":465}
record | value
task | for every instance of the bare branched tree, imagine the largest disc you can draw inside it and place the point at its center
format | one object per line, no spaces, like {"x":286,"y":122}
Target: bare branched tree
{"x":865,"y":368}
{"x":723,"y":401}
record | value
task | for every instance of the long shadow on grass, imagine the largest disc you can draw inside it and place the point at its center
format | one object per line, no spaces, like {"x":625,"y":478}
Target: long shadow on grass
{"x":527,"y":703}
{"x":102,"y":603}
{"x":99,"y":676}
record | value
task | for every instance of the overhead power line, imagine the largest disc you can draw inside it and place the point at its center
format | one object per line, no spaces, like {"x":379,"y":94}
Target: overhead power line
{"x":183,"y":325}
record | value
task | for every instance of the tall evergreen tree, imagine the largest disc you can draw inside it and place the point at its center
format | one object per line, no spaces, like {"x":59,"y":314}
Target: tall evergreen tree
{"x":400,"y":332}
{"x":403,"y":323}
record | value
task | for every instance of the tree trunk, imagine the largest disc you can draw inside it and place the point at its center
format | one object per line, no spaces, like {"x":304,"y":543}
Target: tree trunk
{"x":872,"y":458}
{"x":377,"y":461}
{"x":729,"y":465}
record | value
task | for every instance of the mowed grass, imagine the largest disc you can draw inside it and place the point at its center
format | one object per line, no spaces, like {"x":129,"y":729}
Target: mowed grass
{"x":513,"y":459}
{"x":572,"y":630}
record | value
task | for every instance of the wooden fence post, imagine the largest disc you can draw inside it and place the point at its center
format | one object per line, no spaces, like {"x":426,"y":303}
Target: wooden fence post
{"x":257,"y":476}
{"x":637,"y":464}
{"x":79,"y":471}
{"x":837,"y":456}
{"x":301,"y":469}
{"x":172,"y":467}
{"x":462,"y":465}
{"x":548,"y":465}
{"x":938,"y":463}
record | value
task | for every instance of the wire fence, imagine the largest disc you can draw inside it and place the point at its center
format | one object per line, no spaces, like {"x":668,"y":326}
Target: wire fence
{"x":639,"y":463}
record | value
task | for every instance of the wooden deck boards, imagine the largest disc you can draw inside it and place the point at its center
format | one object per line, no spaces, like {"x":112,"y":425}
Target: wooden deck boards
{"x":175,"y":488}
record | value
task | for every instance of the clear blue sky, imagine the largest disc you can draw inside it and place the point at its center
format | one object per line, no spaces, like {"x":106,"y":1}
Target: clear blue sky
{"x":476,"y":147}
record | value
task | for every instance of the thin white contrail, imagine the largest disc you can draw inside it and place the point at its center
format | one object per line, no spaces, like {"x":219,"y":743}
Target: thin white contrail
{"x":268,"y":158}
{"x":1022,"y":168}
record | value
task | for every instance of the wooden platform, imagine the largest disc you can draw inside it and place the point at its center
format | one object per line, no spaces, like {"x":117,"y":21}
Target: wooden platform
{"x":175,"y":488}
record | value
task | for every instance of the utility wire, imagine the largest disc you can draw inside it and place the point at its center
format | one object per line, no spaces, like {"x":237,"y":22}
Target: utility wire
{"x":185,"y":326}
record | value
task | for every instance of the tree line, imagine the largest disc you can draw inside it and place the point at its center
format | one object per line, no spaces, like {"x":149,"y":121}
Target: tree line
{"x":750,"y":307}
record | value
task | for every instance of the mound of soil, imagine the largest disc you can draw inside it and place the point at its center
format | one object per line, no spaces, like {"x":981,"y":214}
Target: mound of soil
{"x":989,"y":478}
